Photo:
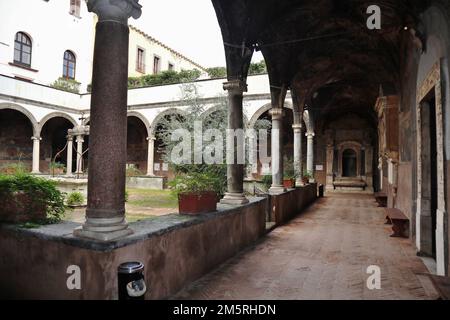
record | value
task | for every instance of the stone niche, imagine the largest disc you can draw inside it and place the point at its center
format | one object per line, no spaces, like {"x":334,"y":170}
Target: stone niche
{"x":349,"y":154}
{"x":388,"y":141}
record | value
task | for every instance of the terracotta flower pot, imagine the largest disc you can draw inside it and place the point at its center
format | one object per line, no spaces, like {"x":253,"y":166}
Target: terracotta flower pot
{"x":20,"y":208}
{"x":289,"y":183}
{"x":192,"y":203}
{"x":57,"y":171}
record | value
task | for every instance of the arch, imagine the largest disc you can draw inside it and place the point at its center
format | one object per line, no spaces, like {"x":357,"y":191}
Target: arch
{"x":56,"y":115}
{"x":210,"y":111}
{"x":19,"y":108}
{"x":140,"y":117}
{"x":86,"y":120}
{"x":309,"y":121}
{"x":171,"y":111}
{"x":216,"y":108}
{"x":263,"y":110}
{"x":350,"y":144}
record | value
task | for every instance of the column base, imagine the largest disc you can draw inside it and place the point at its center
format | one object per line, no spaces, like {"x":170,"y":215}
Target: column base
{"x":234,"y":199}
{"x":103,"y":229}
{"x":277,"y":190}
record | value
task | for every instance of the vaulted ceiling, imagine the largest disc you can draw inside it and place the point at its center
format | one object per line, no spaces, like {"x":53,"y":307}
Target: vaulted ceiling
{"x":322,"y":48}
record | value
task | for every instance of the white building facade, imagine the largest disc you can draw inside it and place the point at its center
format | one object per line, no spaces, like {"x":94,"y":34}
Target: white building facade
{"x":40,"y":51}
{"x":71,"y":30}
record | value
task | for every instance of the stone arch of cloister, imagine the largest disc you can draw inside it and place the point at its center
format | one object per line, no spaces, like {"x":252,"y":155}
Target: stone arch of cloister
{"x":24,"y":111}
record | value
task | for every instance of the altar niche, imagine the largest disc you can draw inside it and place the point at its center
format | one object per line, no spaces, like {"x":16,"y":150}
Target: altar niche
{"x":351,"y":164}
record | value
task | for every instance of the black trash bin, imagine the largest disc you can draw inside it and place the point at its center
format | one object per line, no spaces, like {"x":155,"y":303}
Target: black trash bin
{"x":321,"y":191}
{"x":131,"y":281}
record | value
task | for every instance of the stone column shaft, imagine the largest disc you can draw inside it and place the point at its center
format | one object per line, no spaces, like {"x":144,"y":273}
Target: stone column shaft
{"x":151,"y":156}
{"x":79,"y":165}
{"x":310,"y":153}
{"x":105,"y":214}
{"x":36,"y":154}
{"x":298,"y":164}
{"x":235,"y":170}
{"x":330,"y":162}
{"x":277,"y":151}
{"x":69,"y":155}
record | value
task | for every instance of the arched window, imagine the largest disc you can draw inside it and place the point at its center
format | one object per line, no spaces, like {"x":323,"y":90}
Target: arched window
{"x":22,"y":49}
{"x":75,"y":7}
{"x":69,"y":65}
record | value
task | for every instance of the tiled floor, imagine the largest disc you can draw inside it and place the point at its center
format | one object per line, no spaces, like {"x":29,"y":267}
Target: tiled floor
{"x":322,"y":254}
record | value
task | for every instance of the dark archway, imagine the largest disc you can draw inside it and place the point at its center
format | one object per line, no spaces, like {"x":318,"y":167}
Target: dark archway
{"x":54,"y":140}
{"x":16,"y":131}
{"x":137,"y":145}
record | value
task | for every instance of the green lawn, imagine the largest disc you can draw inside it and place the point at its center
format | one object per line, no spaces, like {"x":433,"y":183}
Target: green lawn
{"x":142,"y":204}
{"x":151,"y":198}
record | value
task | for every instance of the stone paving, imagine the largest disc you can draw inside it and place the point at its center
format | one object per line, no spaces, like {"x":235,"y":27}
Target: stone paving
{"x":322,"y":254}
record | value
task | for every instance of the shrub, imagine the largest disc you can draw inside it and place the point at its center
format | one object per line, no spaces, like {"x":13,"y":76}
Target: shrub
{"x":267,"y":181}
{"x":65,"y":84}
{"x":196,"y":182}
{"x":75,"y":199}
{"x":163,"y":78}
{"x":56,"y":166}
{"x":40,"y":192}
{"x":133,"y":172}
{"x":307,"y":174}
{"x":13,"y":168}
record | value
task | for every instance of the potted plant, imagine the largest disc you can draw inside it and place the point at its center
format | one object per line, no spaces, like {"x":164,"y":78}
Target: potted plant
{"x":75,"y":200}
{"x":306,"y":176}
{"x":197,"y":192}
{"x":289,"y":174}
{"x":57,"y":168}
{"x":289,"y":180}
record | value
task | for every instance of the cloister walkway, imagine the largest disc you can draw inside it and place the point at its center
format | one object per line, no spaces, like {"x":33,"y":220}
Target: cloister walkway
{"x":322,"y":254}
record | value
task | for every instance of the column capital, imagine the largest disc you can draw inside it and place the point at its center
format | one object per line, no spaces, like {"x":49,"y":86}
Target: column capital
{"x":297,"y":127}
{"x":310,"y":135}
{"x":151,"y":138}
{"x":36,"y":138}
{"x":115,"y":10}
{"x":235,"y":86}
{"x":276,"y":113}
{"x":80,"y":139}
{"x":69,"y":138}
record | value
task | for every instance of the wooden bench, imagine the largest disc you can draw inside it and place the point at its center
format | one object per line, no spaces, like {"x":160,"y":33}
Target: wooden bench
{"x":398,"y":220}
{"x":381,"y":199}
{"x":442,"y":286}
{"x":349,"y":184}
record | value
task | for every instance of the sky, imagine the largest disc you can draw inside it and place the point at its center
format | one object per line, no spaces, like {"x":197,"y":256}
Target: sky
{"x":188,"y":26}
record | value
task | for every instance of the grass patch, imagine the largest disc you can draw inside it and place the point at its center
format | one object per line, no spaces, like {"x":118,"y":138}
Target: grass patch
{"x":151,"y":198}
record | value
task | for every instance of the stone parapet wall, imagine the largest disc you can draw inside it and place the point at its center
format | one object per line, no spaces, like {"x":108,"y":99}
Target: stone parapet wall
{"x":175,"y":250}
{"x":286,"y":206}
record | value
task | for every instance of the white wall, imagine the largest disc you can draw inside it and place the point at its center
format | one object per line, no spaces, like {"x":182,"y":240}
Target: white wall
{"x":154,"y":48}
{"x":53,"y":31}
{"x":41,"y":100}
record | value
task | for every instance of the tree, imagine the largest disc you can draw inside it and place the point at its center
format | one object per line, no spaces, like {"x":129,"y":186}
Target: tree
{"x":257,"y":68}
{"x":217,"y":72}
{"x":216,"y":122}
